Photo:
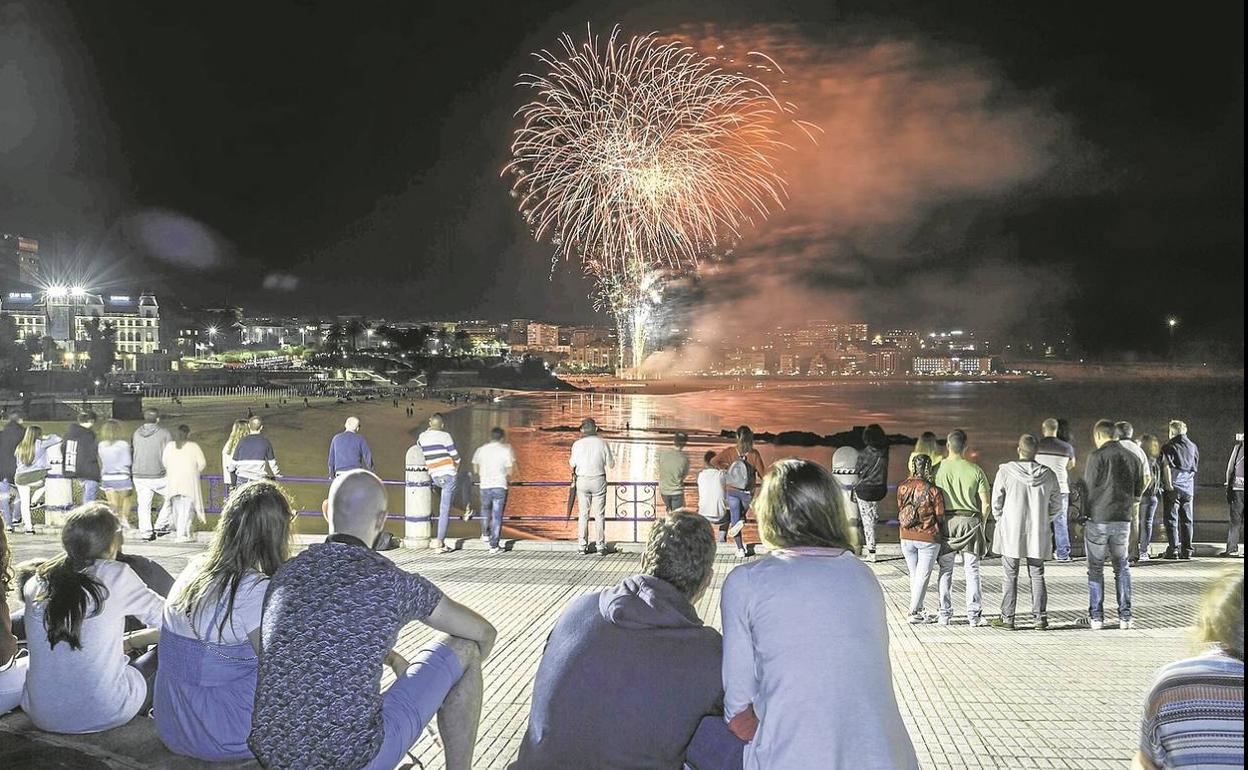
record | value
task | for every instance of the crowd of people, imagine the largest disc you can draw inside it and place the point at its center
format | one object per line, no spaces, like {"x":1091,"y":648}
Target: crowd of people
{"x":250,"y":653}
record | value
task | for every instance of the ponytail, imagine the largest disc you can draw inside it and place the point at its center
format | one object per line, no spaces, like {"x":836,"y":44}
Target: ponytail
{"x":70,"y":593}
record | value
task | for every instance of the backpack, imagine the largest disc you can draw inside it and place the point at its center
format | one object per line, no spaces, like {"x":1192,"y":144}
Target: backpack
{"x":740,"y":474}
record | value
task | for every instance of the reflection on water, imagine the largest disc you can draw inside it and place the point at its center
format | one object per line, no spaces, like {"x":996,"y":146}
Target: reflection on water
{"x":994,"y":414}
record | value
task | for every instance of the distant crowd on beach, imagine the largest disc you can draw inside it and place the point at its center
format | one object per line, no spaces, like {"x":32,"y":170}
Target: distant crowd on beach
{"x":250,"y":653}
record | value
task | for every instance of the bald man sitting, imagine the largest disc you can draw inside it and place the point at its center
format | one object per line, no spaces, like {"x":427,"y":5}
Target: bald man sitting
{"x":348,"y":451}
{"x":331,"y":619}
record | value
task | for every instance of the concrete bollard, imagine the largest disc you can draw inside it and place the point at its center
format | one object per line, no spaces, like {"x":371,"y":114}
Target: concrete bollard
{"x":417,"y":496}
{"x":845,"y":470}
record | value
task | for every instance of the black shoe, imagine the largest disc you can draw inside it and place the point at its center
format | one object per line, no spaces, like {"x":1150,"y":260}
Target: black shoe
{"x":586,"y":550}
{"x":161,"y":532}
{"x":150,"y":536}
{"x":1042,"y":624}
{"x":1185,"y":557}
{"x":1169,"y":556}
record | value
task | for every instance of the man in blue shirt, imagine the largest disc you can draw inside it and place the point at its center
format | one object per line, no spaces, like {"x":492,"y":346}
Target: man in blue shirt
{"x":349,"y":451}
{"x":1179,"y":462}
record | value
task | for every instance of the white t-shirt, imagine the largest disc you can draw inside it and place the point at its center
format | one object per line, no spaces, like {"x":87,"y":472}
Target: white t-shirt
{"x":711,"y":494}
{"x":591,"y":456}
{"x":248,"y":603}
{"x":92,"y":688}
{"x":493,"y":462}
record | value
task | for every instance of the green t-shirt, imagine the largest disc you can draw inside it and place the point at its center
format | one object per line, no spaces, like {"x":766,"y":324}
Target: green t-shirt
{"x":673,"y":467}
{"x":961,"y":482}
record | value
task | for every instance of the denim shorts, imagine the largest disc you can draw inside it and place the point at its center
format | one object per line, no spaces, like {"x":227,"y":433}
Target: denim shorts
{"x":413,"y":700}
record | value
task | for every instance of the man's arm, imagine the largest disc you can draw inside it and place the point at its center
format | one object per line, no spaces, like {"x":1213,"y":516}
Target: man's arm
{"x":366,"y":454}
{"x":332,"y":469}
{"x":998,"y":496}
{"x":272,"y":460}
{"x":451,"y":617}
{"x":985,"y":496}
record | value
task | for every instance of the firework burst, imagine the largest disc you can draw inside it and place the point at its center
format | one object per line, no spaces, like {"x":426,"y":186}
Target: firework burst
{"x":641,"y":155}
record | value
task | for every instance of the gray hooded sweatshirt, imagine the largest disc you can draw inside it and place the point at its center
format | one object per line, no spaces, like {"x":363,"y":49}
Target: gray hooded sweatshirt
{"x":1026,"y":497}
{"x":626,"y":676}
{"x":148,"y":447}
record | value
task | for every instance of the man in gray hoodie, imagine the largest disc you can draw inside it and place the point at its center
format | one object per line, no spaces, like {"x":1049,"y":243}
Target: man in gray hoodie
{"x":1026,"y":498}
{"x":148,"y":470}
{"x":628,"y":673}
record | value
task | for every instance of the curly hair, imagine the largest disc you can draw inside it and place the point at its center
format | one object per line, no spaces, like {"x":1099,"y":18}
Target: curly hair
{"x":681,"y":550}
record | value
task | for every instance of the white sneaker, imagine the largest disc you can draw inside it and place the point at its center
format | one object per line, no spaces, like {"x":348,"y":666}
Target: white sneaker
{"x":485,"y":538}
{"x":1096,"y":625}
{"x":435,"y":545}
{"x":1126,"y":625}
{"x":1144,"y":557}
{"x":496,"y":550}
{"x":944,"y":621}
{"x":742,"y":553}
{"x":978,"y":622}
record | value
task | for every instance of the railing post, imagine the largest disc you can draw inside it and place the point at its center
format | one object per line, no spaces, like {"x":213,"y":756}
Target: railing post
{"x":417,"y":496}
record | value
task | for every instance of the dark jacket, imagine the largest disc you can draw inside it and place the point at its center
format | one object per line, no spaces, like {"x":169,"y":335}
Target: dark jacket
{"x":872,"y":483}
{"x":1115,"y":482}
{"x":626,"y":676}
{"x":10,"y":436}
{"x":79,"y":453}
{"x":1182,"y":457}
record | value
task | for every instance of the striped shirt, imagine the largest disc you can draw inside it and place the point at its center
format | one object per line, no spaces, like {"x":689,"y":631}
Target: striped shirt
{"x":254,"y":459}
{"x":1194,"y":715}
{"x":441,"y":456}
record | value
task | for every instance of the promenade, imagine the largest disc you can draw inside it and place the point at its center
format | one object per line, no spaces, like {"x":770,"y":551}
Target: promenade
{"x":1066,"y":698}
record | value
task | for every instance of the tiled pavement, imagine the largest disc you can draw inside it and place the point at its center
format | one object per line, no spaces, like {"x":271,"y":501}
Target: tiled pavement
{"x":1066,"y":698}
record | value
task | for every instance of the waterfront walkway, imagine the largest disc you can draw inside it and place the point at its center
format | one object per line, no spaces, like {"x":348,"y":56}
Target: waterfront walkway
{"x":1066,"y":698}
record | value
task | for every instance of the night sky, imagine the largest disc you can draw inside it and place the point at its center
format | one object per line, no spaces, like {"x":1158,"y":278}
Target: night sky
{"x":345,"y":157}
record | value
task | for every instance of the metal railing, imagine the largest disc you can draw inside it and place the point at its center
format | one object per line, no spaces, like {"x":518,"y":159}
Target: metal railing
{"x":630,"y":502}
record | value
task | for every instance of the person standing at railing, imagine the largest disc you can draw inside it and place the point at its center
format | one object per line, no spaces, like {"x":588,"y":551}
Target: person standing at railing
{"x":673,"y":468}
{"x":237,"y":432}
{"x":148,"y":471}
{"x":493,"y":463}
{"x":348,"y":451}
{"x":254,"y":457}
{"x":590,"y":459}
{"x":442,"y":460}
{"x":743,"y":468}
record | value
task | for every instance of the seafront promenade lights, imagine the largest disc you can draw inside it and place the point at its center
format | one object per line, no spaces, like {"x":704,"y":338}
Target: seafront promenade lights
{"x":58,"y":291}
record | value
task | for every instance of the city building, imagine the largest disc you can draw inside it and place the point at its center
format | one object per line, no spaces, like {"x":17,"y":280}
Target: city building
{"x":518,"y":331}
{"x":950,"y":365}
{"x":542,"y":336}
{"x":61,"y":313}
{"x":906,"y":340}
{"x":19,"y":262}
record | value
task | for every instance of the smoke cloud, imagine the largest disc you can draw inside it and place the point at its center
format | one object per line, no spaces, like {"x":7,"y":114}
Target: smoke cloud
{"x":900,"y":215}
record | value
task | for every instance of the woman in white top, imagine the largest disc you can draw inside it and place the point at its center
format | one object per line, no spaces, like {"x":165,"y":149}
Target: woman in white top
{"x":115,"y":459}
{"x":80,"y":679}
{"x":184,"y":461}
{"x":33,"y":462}
{"x":807,"y":680}
{"x":210,"y":640}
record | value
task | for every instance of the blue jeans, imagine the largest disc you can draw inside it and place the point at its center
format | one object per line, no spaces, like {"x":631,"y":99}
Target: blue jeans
{"x":1061,"y":532}
{"x":5,"y":511}
{"x":921,"y":559}
{"x":493,"y":501}
{"x":447,"y":496}
{"x":1108,"y":540}
{"x":1180,"y":526}
{"x":90,"y":490}
{"x":738,"y":504}
{"x":674,"y":502}
{"x":1148,"y":512}
{"x":714,"y":747}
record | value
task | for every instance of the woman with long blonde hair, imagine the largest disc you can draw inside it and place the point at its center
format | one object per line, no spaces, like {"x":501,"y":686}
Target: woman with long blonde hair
{"x":237,"y":431}
{"x":805,"y":638}
{"x":115,"y":459}
{"x":210,"y":638}
{"x":33,"y":464}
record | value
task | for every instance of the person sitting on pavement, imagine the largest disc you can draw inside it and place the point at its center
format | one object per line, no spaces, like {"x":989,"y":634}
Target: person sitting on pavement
{"x":806,"y":663}
{"x":210,"y":638}
{"x":1115,"y":484}
{"x":629,"y":672}
{"x":331,"y":619}
{"x":1194,"y":713}
{"x":12,"y":667}
{"x":1026,"y":498}
{"x":75,"y":608}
